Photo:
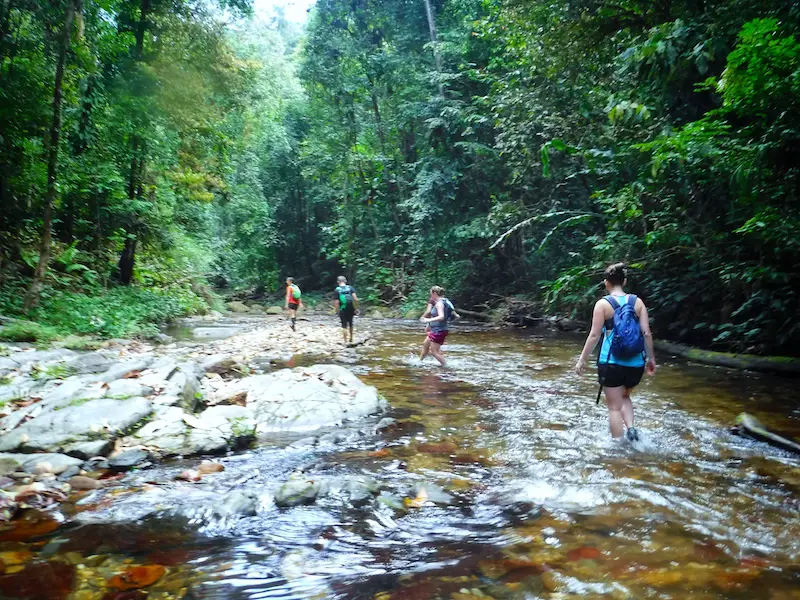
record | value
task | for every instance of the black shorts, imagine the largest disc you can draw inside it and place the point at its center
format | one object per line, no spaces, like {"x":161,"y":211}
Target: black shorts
{"x":619,"y":376}
{"x":293,"y":305}
{"x":346,"y":315}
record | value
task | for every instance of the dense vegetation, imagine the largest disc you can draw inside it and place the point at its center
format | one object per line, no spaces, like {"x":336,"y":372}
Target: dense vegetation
{"x":498,"y":147}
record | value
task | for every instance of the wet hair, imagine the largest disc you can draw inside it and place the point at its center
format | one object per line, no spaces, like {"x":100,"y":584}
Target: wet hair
{"x":616,"y":274}
{"x":438,"y":290}
{"x":290,"y":279}
{"x":341,"y":279}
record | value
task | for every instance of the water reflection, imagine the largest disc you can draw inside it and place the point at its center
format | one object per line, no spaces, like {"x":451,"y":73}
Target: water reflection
{"x":498,"y":479}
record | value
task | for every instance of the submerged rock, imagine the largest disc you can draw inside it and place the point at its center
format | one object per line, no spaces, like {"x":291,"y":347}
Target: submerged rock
{"x":296,"y":492}
{"x":237,"y":503}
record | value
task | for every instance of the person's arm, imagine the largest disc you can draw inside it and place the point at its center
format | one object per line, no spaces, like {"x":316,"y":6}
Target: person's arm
{"x":427,"y":312}
{"x":598,"y":318}
{"x":644,"y":325}
{"x":336,"y":304}
{"x":439,"y":313}
{"x":355,"y":299}
{"x":288,"y":293}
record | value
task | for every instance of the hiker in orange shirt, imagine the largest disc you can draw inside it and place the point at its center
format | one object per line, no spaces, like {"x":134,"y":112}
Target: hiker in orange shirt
{"x":293,"y":301}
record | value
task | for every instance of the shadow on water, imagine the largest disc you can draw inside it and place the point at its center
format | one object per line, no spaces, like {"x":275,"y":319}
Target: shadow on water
{"x":525,"y":494}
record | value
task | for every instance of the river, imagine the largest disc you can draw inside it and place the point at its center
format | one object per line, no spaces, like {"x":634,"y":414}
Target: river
{"x":526,"y":496}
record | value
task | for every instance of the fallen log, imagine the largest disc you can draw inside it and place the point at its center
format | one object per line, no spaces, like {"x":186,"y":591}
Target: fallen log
{"x":474,"y":314}
{"x":765,"y":364}
{"x":751,"y":427}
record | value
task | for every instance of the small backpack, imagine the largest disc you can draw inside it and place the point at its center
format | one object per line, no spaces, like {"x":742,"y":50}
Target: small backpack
{"x":628,"y":340}
{"x":296,"y":293}
{"x":345,"y":296}
{"x":449,"y":310}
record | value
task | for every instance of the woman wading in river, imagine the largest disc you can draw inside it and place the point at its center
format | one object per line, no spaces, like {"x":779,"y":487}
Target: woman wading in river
{"x":623,"y":361}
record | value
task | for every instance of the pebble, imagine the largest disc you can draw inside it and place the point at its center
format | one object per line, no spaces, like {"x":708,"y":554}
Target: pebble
{"x":80,"y":482}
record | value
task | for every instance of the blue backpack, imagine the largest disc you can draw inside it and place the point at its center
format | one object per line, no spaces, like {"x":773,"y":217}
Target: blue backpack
{"x":449,"y":310}
{"x":628,"y":340}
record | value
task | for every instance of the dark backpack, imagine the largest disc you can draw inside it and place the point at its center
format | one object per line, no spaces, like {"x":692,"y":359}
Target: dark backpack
{"x":345,"y":296}
{"x":449,"y":310}
{"x":628,"y":340}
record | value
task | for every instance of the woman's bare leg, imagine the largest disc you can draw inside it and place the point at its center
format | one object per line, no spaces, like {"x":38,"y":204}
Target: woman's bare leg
{"x":627,"y":408}
{"x":436,"y":351}
{"x":426,"y":348}
{"x":615,"y":401}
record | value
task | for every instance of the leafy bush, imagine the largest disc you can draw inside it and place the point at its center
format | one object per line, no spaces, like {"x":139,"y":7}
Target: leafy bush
{"x":27,"y":332}
{"x":116,"y":312}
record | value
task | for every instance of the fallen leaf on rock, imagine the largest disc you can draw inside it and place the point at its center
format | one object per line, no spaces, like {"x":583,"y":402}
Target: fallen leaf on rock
{"x":383,"y":452}
{"x":137,"y":577}
{"x":132,"y":375}
{"x":419,"y":501}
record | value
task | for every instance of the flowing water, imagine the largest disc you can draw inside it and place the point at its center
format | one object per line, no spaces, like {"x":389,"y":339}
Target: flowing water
{"x":525,"y":494}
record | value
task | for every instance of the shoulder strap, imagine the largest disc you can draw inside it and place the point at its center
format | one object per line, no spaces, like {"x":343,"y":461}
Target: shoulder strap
{"x":632,"y":300}
{"x":612,"y":301}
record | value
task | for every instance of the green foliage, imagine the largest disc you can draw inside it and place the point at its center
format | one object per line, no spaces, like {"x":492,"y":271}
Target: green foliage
{"x":533,"y":143}
{"x":27,"y":332}
{"x":57,"y":371}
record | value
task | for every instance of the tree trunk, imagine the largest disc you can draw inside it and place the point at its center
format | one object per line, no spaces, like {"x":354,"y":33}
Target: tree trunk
{"x":141,"y":28}
{"x":127,"y":261}
{"x":32,"y":297}
{"x":437,"y":57}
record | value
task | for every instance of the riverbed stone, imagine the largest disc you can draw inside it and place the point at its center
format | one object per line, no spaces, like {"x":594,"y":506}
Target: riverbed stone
{"x":305,"y":398}
{"x":124,"y":369}
{"x":238,"y":307}
{"x":51,"y":431}
{"x":126,"y":388}
{"x":89,"y":363}
{"x":296,"y":492}
{"x":237,"y":502}
{"x":274,"y":310}
{"x":128,"y":459}
{"x":90,"y":449}
{"x":55,"y":463}
{"x":8,"y":464}
{"x":24,"y":359}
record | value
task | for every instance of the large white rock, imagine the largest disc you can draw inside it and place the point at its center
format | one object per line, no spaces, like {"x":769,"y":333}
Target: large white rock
{"x":102,"y":418}
{"x":305,"y":398}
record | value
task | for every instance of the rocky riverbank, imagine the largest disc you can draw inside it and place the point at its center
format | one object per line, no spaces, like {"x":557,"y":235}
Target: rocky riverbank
{"x":69,"y":420}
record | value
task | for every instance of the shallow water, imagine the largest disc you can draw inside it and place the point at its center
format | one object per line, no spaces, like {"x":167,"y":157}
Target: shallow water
{"x":542,"y":503}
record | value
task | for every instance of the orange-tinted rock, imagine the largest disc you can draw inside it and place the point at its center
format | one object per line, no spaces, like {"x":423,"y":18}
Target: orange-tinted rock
{"x":497,"y":569}
{"x":31,"y":525}
{"x":79,"y":482}
{"x":471,"y":458}
{"x":438,"y":448}
{"x":207,"y":468}
{"x":551,"y":581}
{"x":134,"y":578}
{"x":39,"y":580}
{"x":129,"y":595}
{"x":584,"y":553}
{"x":383,"y":452}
